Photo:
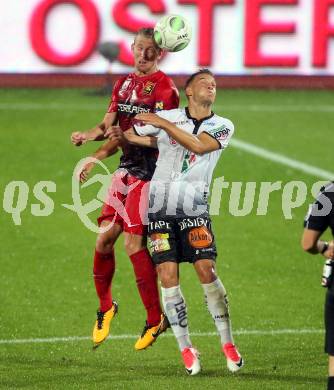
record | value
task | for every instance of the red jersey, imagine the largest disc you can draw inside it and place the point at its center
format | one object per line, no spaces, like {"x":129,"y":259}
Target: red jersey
{"x":132,"y":95}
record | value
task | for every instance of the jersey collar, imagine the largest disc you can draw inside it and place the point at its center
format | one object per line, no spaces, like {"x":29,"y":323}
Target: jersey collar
{"x":148,"y":76}
{"x":198,"y":120}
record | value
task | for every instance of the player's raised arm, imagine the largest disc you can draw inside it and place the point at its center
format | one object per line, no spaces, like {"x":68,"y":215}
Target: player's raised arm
{"x":201,"y":144}
{"x":189,"y":141}
{"x":130,"y":136}
{"x":96,"y":133}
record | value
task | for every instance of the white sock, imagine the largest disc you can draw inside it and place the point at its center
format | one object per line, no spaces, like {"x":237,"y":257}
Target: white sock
{"x":217,"y":304}
{"x":176,"y":311}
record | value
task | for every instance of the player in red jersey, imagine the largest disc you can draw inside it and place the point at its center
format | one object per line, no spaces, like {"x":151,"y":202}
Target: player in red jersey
{"x":147,"y":89}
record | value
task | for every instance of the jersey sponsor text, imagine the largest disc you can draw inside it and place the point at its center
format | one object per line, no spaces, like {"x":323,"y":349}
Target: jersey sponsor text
{"x":131,"y":109}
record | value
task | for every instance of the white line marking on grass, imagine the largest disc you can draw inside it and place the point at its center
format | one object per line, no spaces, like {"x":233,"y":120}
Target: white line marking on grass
{"x":195,"y":334}
{"x":281,"y":159}
{"x":96,"y":106}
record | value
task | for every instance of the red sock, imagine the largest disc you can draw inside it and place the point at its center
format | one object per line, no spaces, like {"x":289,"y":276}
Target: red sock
{"x":146,"y":278}
{"x":104,"y":269}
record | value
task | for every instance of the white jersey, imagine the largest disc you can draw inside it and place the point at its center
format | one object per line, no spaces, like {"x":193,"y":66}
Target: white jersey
{"x":181,"y":181}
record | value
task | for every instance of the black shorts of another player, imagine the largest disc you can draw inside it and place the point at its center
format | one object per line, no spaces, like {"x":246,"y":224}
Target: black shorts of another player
{"x":181,"y":239}
{"x":329,"y":321}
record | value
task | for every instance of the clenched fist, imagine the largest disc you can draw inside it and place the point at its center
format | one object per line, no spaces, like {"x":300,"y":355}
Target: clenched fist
{"x":78,"y":138}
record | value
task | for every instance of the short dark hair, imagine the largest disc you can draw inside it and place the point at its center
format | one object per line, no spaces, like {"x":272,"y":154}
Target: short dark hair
{"x":147,"y":32}
{"x":199,"y":72}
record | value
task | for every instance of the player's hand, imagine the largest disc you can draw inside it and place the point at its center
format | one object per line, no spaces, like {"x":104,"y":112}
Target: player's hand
{"x":329,"y":253}
{"x":115,"y":133}
{"x":149,"y":118}
{"x":78,"y":138}
{"x":84,"y":171}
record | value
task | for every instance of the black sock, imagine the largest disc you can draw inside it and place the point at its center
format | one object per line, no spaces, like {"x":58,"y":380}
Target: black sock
{"x":330,"y":385}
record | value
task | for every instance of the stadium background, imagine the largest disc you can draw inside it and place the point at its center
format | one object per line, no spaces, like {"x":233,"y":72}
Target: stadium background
{"x":283,"y":133}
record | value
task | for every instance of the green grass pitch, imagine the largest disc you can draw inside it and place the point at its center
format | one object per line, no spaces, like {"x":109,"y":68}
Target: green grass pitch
{"x":47,"y":291}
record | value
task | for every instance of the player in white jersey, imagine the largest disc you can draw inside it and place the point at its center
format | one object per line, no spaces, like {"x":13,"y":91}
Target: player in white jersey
{"x":181,"y":180}
{"x":190,"y":142}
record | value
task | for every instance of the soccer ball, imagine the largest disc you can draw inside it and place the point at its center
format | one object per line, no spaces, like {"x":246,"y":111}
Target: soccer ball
{"x":172,"y":33}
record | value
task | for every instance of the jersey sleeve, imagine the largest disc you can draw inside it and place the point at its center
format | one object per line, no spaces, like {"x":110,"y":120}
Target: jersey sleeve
{"x":167,"y":96}
{"x":321,"y":214}
{"x":221,"y":133}
{"x":113,"y":105}
{"x":143,"y":130}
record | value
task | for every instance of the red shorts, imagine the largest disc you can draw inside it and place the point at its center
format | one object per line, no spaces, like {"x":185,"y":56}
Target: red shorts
{"x":127,"y":203}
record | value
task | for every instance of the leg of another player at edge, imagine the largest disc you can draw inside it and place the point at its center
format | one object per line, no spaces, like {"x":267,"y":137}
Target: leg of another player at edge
{"x":174,"y":303}
{"x":216,"y":298}
{"x":146,"y":276}
{"x":104,"y":264}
